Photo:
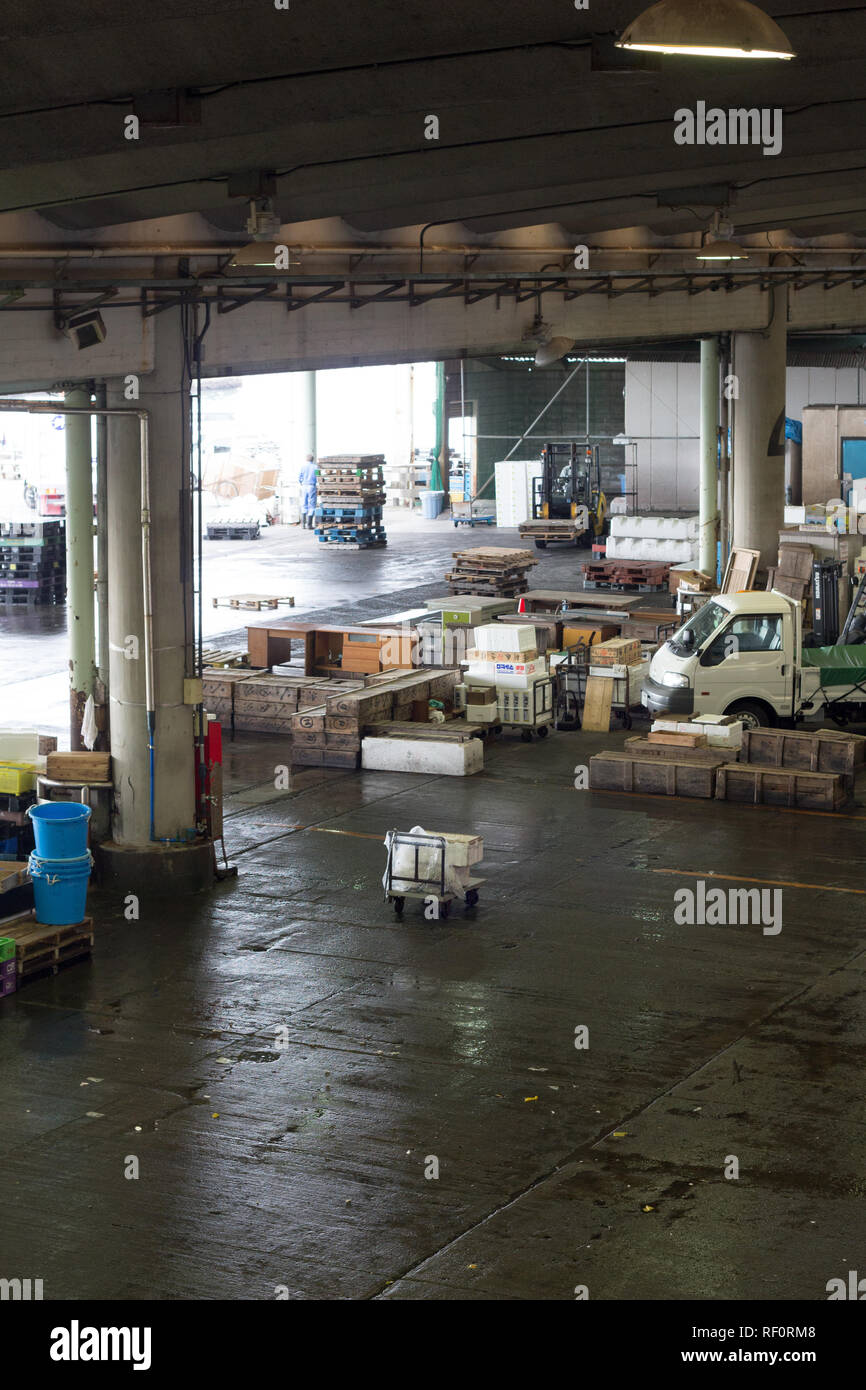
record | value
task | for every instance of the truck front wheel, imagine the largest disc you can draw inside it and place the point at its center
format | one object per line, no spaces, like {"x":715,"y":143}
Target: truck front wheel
{"x":753,"y":714}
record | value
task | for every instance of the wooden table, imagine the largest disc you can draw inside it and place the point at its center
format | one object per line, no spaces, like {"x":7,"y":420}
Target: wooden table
{"x":540,"y":600}
{"x":270,"y":644}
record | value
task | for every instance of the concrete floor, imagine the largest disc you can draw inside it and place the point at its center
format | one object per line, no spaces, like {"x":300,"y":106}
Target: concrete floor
{"x":283,"y":1057}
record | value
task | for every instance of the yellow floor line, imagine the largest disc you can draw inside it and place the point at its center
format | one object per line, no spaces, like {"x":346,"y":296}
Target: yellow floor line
{"x":773,"y":882}
{"x":358,"y":834}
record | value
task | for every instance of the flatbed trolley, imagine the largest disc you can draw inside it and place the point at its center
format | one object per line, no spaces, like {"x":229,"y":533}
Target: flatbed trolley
{"x":423,"y":887}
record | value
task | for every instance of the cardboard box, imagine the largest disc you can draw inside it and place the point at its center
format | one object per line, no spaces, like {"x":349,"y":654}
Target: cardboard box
{"x":572,"y":635}
{"x":695,"y":579}
{"x":619,"y":651}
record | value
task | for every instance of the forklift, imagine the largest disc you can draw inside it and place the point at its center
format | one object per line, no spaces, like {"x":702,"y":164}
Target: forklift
{"x":568,"y":503}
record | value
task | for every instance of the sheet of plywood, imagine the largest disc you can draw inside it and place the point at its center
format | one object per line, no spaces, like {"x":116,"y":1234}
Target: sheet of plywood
{"x":740,"y":570}
{"x":596,"y":710}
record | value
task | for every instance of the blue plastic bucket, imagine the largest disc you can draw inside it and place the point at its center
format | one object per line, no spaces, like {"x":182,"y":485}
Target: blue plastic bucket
{"x":60,"y":828}
{"x":60,"y":889}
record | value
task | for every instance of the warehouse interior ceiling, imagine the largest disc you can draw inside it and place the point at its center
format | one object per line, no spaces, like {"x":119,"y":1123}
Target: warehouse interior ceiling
{"x":545,"y":129}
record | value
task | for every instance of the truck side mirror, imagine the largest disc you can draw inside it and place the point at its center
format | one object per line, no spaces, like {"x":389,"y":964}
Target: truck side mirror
{"x":688,"y":638}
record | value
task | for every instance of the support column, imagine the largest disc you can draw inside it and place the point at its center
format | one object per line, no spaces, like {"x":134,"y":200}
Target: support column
{"x":709,"y":486}
{"x":102,"y":682}
{"x":154,"y":811}
{"x":307,"y":415}
{"x":759,"y":363}
{"x":79,"y":562}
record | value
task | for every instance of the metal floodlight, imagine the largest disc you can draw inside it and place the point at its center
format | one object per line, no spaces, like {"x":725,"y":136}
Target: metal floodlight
{"x":85,"y":329}
{"x":553,"y":350}
{"x":707,"y":29}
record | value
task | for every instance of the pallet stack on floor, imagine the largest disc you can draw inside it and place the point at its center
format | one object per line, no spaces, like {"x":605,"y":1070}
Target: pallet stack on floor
{"x":29,"y":948}
{"x":32,"y":563}
{"x":632,"y":576}
{"x":491,"y":570}
{"x":708,"y":757}
{"x":350,"y":495}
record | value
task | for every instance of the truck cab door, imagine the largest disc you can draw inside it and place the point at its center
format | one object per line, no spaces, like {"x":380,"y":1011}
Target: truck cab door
{"x":750,"y":659}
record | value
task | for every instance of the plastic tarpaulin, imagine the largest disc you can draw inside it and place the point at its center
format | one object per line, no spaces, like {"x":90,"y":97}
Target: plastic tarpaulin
{"x":838,"y":665}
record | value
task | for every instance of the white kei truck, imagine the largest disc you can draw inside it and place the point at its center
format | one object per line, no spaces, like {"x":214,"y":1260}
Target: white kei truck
{"x":743,"y":654}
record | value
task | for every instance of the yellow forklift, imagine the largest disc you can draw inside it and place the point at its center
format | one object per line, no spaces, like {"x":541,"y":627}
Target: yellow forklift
{"x":568,"y":503}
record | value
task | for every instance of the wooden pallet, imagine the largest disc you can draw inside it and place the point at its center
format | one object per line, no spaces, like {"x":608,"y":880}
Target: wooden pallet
{"x":40,"y":948}
{"x":217,"y":656}
{"x":256,"y":601}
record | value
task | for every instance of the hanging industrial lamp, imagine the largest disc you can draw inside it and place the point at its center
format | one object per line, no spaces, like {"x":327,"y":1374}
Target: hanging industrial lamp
{"x":719,"y":244}
{"x":707,"y":28}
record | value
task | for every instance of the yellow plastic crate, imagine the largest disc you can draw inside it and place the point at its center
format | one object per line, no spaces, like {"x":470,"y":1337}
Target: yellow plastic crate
{"x":17,"y":777}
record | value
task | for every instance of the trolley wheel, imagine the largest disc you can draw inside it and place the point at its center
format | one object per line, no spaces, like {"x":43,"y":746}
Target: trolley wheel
{"x":526,"y":735}
{"x":456,"y":524}
{"x":444,"y":908}
{"x":543,"y":731}
{"x":399,"y":904}
{"x":472,"y":897}
{"x":541,"y":545}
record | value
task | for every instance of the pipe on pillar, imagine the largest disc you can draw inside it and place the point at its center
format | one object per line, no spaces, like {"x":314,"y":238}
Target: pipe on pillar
{"x":760,"y":361}
{"x":103,"y":742}
{"x":709,"y":485}
{"x":79,"y":561}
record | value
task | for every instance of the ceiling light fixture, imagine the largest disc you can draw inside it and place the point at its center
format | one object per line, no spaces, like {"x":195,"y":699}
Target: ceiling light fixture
{"x":263,"y":225}
{"x":707,"y":28}
{"x":719,"y":244}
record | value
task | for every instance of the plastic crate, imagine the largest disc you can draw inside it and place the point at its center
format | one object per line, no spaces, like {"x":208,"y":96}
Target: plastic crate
{"x":7,"y":948}
{"x":17,"y":777}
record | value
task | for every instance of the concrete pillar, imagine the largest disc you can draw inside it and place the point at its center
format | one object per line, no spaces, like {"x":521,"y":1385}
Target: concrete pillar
{"x":759,"y":361}
{"x":709,"y":485}
{"x":306,"y":416}
{"x":79,"y":561}
{"x":134,"y":857}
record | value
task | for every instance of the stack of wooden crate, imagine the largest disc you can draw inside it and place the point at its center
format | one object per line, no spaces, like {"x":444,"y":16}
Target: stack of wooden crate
{"x":793,"y":574}
{"x":329,"y":733}
{"x":491,"y":569}
{"x":803,"y":769}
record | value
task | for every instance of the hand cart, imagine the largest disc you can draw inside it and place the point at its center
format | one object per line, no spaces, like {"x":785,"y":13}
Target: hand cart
{"x":514,"y":710}
{"x":570,"y":677}
{"x":423,"y":887}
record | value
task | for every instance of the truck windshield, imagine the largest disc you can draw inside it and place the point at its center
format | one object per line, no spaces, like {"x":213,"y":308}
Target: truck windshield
{"x":702,"y":625}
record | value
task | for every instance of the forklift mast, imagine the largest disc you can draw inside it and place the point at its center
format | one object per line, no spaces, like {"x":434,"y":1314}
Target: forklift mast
{"x":570,"y":478}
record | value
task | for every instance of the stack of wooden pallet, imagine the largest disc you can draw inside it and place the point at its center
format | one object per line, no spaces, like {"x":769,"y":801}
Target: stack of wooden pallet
{"x":491,"y":570}
{"x":635,"y":576}
{"x":329,"y":733}
{"x":40,"y":949}
{"x":350,"y":494}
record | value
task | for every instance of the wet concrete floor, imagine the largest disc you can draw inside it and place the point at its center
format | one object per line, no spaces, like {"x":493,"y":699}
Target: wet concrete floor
{"x":284,"y":1063}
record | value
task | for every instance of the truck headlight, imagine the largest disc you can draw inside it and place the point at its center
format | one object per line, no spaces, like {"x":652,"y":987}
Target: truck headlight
{"x":675,"y":679}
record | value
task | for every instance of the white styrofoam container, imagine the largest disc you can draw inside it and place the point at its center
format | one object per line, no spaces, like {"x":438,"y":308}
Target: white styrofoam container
{"x":514,"y":484}
{"x":511,"y":674}
{"x":505,"y":637}
{"x":423,"y":755}
{"x":481,"y":714}
{"x":669,"y":528}
{"x":19,"y":746}
{"x":676,"y":552}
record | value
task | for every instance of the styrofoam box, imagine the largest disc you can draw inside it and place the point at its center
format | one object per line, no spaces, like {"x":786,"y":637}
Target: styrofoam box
{"x":635,"y":670}
{"x":423,"y":755}
{"x":506,"y":672}
{"x":724,"y":735}
{"x":509,"y":637}
{"x":666,"y":528}
{"x":19,"y":745}
{"x":675,"y":552}
{"x":481,"y":714}
{"x":460,"y":850}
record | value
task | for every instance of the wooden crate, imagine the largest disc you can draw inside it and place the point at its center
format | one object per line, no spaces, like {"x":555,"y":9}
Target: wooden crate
{"x":817,"y":751}
{"x":641,"y":747}
{"x":313,"y":718}
{"x":678,"y":740}
{"x":78,"y":767}
{"x":774,"y":786}
{"x":623,"y":772}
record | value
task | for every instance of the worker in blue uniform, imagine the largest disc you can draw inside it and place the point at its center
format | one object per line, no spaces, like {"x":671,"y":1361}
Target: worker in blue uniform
{"x":307,"y":480}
